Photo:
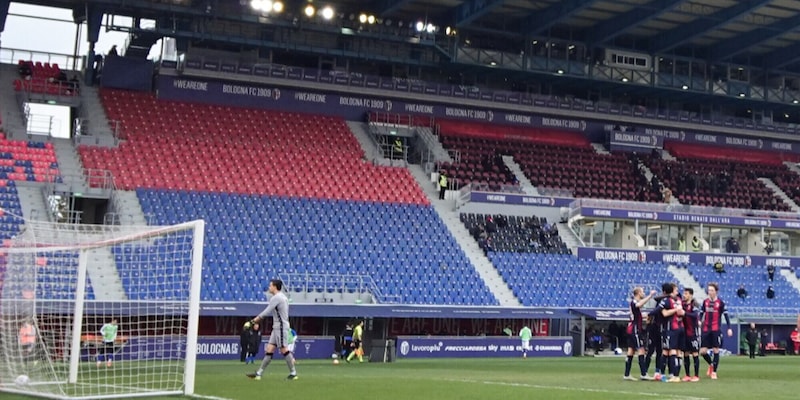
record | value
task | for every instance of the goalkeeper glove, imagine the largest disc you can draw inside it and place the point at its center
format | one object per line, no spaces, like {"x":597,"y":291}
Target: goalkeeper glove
{"x":248,"y":324}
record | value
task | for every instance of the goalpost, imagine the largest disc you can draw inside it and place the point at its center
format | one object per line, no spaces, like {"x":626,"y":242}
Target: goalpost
{"x":61,"y":283}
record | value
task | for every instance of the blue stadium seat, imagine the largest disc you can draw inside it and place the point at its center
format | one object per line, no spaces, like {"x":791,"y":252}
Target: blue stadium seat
{"x":322,"y":236}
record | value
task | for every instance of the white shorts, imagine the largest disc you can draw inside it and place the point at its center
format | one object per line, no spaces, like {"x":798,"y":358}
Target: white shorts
{"x":526,"y":345}
{"x":291,"y":347}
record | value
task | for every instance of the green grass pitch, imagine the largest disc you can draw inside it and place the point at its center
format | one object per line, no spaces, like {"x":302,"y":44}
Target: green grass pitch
{"x":770,"y":378}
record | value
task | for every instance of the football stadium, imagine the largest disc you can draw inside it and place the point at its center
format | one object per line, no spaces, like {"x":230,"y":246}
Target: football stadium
{"x":390,"y":199}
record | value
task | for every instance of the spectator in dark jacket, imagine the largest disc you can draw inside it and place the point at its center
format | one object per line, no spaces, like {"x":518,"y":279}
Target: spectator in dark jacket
{"x":254,"y":345}
{"x":244,"y":342}
{"x":770,"y":272}
{"x":741,"y":292}
{"x":752,"y":340}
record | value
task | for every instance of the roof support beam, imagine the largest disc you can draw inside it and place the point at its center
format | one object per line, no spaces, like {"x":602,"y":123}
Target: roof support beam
{"x":471,"y":10}
{"x":543,"y":20}
{"x":745,"y":41}
{"x":386,"y":7}
{"x":685,"y":32}
{"x":616,"y":26}
{"x":783,"y":57}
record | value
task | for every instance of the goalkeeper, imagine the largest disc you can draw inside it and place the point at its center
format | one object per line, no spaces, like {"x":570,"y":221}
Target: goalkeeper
{"x":278,"y":307}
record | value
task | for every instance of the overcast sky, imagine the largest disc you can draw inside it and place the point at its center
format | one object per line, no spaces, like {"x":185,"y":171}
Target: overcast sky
{"x":27,"y":33}
{"x":40,"y":36}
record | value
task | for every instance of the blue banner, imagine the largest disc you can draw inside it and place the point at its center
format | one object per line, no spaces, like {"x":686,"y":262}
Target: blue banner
{"x":249,"y":309}
{"x":508,"y":198}
{"x":685,"y":218}
{"x":227,"y":348}
{"x":635,"y":140}
{"x":208,"y":348}
{"x":480,"y":347}
{"x":669,"y":257}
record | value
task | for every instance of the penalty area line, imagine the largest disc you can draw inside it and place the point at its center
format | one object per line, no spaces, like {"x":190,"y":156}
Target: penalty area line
{"x":577,"y":389}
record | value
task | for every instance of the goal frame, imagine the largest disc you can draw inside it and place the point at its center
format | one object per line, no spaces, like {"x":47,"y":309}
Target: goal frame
{"x":77,"y":313}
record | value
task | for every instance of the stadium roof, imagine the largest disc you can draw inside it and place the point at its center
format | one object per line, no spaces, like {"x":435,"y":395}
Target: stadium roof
{"x":758,"y":32}
{"x":761,"y":33}
{"x":759,"y":38}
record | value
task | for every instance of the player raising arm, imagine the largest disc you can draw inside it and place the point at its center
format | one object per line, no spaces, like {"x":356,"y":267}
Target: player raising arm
{"x":278,"y":307}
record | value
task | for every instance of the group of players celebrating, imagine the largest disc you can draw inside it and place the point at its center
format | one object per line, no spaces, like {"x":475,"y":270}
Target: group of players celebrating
{"x":678,"y":328}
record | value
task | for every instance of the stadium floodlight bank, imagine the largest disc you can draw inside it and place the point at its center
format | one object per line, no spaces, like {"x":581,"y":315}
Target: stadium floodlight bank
{"x":61,"y":283}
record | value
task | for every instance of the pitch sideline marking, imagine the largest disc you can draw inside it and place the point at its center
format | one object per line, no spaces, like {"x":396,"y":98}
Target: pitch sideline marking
{"x":577,"y":389}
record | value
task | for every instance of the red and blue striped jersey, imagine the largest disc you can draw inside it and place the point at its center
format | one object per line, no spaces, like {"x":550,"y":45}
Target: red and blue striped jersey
{"x":712,"y":311}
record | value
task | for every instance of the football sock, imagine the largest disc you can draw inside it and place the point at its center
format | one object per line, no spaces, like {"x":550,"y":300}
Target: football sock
{"x":289,"y":357}
{"x":686,"y":364}
{"x":674,"y":365}
{"x":628,"y":362}
{"x":696,"y":365}
{"x":716,"y":361}
{"x":642,"y":365}
{"x":264,"y":363}
{"x":707,"y":358}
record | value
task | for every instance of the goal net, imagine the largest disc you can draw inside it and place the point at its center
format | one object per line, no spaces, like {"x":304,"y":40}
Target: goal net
{"x":90,"y":311}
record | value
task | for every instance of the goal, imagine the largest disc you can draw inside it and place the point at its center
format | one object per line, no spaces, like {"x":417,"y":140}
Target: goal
{"x":60,"y":284}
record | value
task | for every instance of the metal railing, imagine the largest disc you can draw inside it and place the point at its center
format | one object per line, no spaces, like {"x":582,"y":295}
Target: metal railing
{"x":336,"y":283}
{"x":64,"y":61}
{"x":777,"y":314}
{"x":42,"y":125}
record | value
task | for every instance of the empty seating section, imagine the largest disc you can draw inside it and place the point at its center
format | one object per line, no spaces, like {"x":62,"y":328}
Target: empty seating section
{"x":564,"y":281}
{"x":480,"y":163}
{"x":57,"y":278}
{"x":502,"y":233}
{"x":789,"y":182}
{"x":54,"y":277}
{"x":579,"y":169}
{"x":754,"y":278}
{"x":22,"y":160}
{"x":10,"y":210}
{"x":146,"y":276}
{"x":572,"y":166}
{"x":406,"y":249}
{"x":188,"y":146}
{"x":721,"y":183}
{"x":38,"y":77}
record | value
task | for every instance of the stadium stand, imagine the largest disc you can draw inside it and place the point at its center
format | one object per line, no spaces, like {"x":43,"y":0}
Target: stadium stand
{"x":46,"y":78}
{"x":557,"y":280}
{"x":406,"y":249}
{"x":754,"y":279}
{"x":481,"y":164}
{"x":549,"y":159}
{"x":503,"y":233}
{"x":142,"y":280}
{"x":697,"y":179}
{"x":283,"y":193}
{"x":220,"y":149}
